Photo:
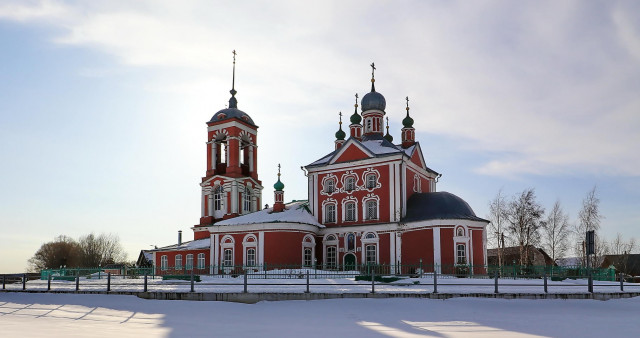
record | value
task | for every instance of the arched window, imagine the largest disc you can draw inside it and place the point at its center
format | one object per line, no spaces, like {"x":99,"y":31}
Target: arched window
{"x":330,"y":213}
{"x":247,"y":199}
{"x":371,"y":181}
{"x":164,"y":262}
{"x":417,"y":186}
{"x":330,"y":186}
{"x":370,"y":248}
{"x":178,"y":261}
{"x":350,"y":212}
{"x":370,"y":235}
{"x":201,"y":261}
{"x":217,"y":198}
{"x":460,"y":232}
{"x":227,"y":257}
{"x":371,"y":210}
{"x":308,"y":248}
{"x":349,"y":183}
{"x":189,"y":263}
{"x":331,"y":238}
{"x":251,"y":257}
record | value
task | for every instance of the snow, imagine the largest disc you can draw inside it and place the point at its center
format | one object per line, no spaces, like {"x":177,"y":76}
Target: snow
{"x":295,"y":212}
{"x":71,"y":315}
{"x":189,"y":245}
{"x":377,"y":147}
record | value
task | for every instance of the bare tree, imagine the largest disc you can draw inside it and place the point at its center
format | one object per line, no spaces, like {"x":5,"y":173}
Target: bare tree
{"x":588,"y":219}
{"x":101,"y":249}
{"x":619,"y":246}
{"x":498,"y":216}
{"x":556,"y":232}
{"x":524,"y":215}
{"x":61,"y":251}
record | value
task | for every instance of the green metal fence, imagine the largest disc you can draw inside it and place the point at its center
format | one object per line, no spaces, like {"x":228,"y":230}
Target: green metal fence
{"x":292,"y":271}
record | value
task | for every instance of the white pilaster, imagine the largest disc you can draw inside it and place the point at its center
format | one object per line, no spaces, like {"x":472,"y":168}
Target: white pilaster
{"x":261,"y":248}
{"x":437,"y":257}
{"x":398,"y":187}
{"x":213,"y":155}
{"x":213,"y":259}
{"x":251,"y":158}
{"x":202,"y":201}
{"x":210,"y":204}
{"x":234,"y":197}
{"x":392,"y":214}
{"x":392,"y":248}
{"x":398,"y":249}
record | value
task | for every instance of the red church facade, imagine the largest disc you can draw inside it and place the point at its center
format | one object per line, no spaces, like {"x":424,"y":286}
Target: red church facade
{"x":369,"y":202}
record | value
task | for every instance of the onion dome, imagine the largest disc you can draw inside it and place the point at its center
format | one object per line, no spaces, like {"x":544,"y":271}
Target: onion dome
{"x":340,"y":134}
{"x":356,"y":118}
{"x":279,"y":186}
{"x":388,"y":136}
{"x":407,"y":122}
{"x":373,"y":99}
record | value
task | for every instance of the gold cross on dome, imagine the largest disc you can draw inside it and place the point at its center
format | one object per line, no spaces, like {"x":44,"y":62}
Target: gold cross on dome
{"x":373,"y":69}
{"x":234,"y":56}
{"x":278,"y":169}
{"x":407,"y":102}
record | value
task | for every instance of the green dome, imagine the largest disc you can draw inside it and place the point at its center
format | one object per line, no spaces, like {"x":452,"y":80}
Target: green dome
{"x":279,"y":186}
{"x":407,"y":122}
{"x":356,"y":118}
{"x":388,"y":137}
{"x":340,"y":135}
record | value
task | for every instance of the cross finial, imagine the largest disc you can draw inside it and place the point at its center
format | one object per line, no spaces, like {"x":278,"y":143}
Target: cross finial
{"x":233,"y":103}
{"x":356,"y":105}
{"x":340,"y":117}
{"x":373,"y":77}
{"x":407,"y":98}
{"x":278,"y":170}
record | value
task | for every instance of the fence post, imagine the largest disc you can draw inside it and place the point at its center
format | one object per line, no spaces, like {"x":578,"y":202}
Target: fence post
{"x":77,"y":283}
{"x":373,"y":281}
{"x":621,"y":282}
{"x":108,"y":281}
{"x":545,"y":282}
{"x":435,"y":280}
{"x":265,"y":270}
{"x":49,"y":282}
{"x":24,"y":281}
{"x":496,"y":284}
{"x":307,"y":281}
{"x":145,"y":282}
{"x":245,"y":281}
{"x":192,"y":286}
{"x":4,"y":277}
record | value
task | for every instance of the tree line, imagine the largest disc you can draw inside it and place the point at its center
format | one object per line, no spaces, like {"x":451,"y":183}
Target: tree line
{"x":521,"y":221}
{"x":87,"y":252}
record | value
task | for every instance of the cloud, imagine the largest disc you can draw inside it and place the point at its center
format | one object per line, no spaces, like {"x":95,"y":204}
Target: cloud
{"x":539,"y":88}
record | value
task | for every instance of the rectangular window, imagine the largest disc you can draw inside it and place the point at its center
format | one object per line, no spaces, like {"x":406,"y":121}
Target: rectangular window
{"x":330,"y":213}
{"x":200,"y":261}
{"x":350,"y":212}
{"x":306,"y":261}
{"x":372,"y":210}
{"x":217,"y":199}
{"x":251,"y":257}
{"x":370,"y":254}
{"x":164,"y":262}
{"x":371,"y":181}
{"x":189,"y":264}
{"x":227,"y":258}
{"x":329,"y":187}
{"x":178,"y":265}
{"x":461,"y":254}
{"x":349,"y":184}
{"x":331,"y":257}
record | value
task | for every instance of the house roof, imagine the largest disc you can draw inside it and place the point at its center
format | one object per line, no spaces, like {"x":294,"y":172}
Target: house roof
{"x":294,"y":212}
{"x":189,"y":245}
{"x":438,"y":205}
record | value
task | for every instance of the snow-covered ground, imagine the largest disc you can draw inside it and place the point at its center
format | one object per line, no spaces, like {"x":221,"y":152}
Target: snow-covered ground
{"x":77,"y":315}
{"x":333,"y":285}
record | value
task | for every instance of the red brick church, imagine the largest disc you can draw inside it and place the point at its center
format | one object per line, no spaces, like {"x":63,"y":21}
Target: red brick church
{"x":369,"y":201}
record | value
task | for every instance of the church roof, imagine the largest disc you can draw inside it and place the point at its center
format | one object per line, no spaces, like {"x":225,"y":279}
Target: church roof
{"x":204,"y":243}
{"x":230,"y":113}
{"x":294,"y":212}
{"x":377,"y":145}
{"x":438,"y":205}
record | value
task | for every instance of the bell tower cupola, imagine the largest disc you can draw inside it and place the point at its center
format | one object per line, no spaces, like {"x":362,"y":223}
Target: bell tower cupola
{"x":408,"y":132}
{"x":355,"y":127}
{"x":373,"y":105}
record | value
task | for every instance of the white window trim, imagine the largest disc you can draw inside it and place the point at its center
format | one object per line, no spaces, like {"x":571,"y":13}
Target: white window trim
{"x":309,"y":242}
{"x":164,"y":262}
{"x":186,"y":263}
{"x":204,"y":261}
{"x":365,"y":211}
{"x":325,"y":179}
{"x":371,"y":171}
{"x":325,"y":203}
{"x":246,"y":245}
{"x":177,"y":266}
{"x":343,"y":180}
{"x":364,"y":241}
{"x":227,"y":242}
{"x":330,"y":243}
{"x":349,"y":199}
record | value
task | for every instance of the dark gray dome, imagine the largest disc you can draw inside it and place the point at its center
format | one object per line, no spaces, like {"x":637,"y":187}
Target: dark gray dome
{"x":229,"y":113}
{"x":373,"y":100}
{"x":438,"y":205}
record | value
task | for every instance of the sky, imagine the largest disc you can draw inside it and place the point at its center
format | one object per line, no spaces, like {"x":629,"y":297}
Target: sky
{"x":103,"y":103}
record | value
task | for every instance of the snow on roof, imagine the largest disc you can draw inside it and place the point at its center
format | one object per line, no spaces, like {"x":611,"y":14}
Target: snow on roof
{"x":190,"y":245}
{"x":295,"y":212}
